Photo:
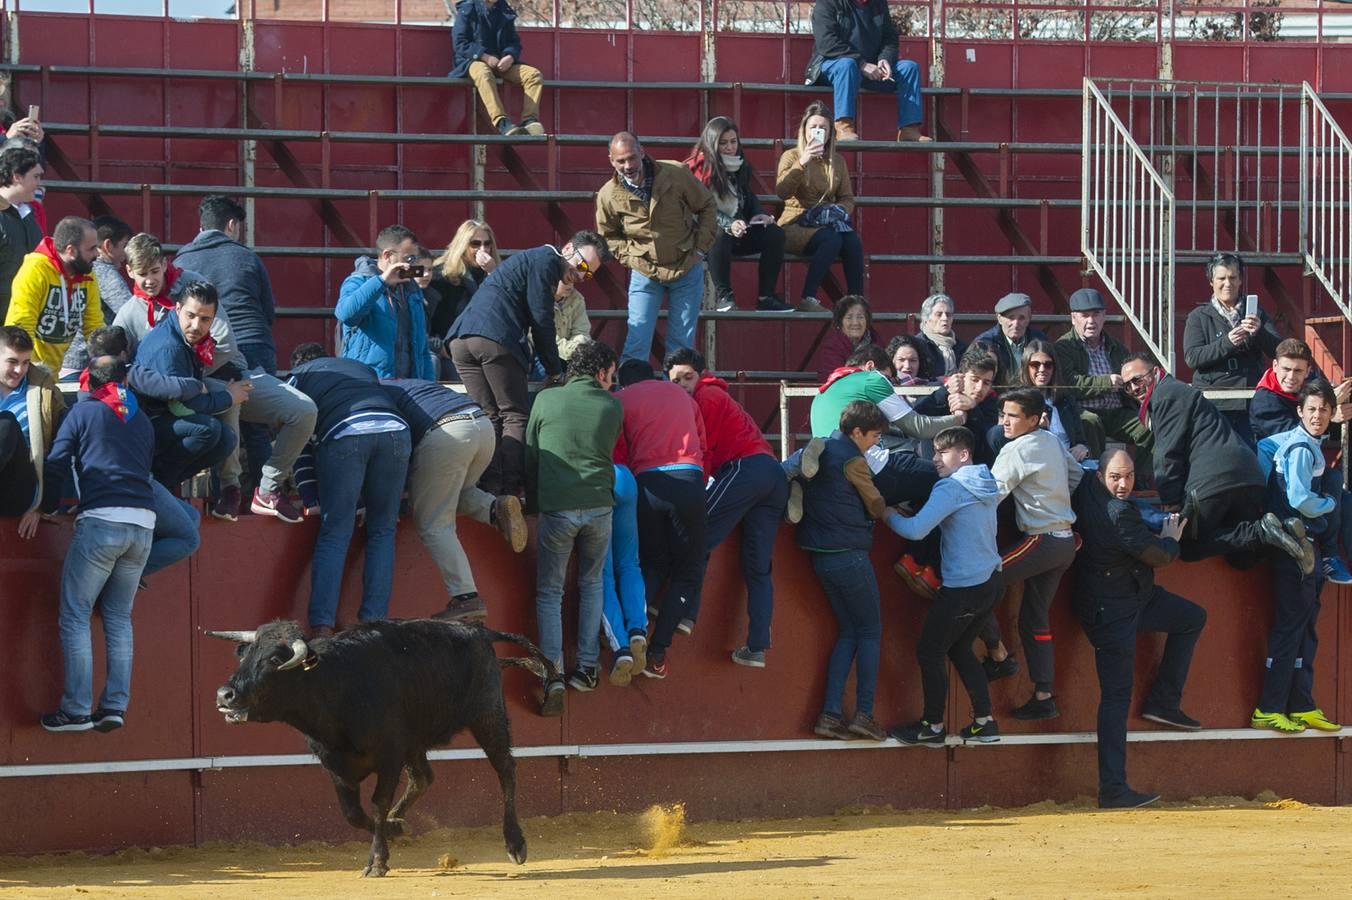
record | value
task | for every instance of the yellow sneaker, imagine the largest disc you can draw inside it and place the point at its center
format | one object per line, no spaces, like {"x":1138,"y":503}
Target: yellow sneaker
{"x":1275,"y":722}
{"x":1316,"y":719}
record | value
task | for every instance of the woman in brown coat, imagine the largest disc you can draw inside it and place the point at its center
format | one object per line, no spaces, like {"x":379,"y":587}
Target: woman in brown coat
{"x":818,"y":204}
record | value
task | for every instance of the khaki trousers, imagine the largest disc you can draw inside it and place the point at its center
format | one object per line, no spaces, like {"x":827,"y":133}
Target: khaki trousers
{"x":441,"y":485}
{"x":485,"y":79}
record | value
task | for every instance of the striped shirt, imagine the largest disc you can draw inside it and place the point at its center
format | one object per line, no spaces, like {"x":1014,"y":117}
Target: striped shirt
{"x":16,"y":402}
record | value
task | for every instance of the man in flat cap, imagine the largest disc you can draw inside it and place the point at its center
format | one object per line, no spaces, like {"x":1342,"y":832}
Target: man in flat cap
{"x":1010,"y":335}
{"x":1089,"y":359}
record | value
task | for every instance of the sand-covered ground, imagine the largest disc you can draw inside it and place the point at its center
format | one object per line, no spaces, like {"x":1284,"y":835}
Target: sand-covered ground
{"x":1215,"y":847}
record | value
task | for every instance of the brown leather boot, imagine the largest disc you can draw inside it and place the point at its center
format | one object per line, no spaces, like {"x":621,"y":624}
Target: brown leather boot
{"x":845,"y":130}
{"x":911,"y":133}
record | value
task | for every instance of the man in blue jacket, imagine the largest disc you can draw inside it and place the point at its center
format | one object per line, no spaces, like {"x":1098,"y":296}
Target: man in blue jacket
{"x":488,"y":343}
{"x":188,"y":436}
{"x":487,"y":48}
{"x":382,"y":311}
{"x":110,"y":444}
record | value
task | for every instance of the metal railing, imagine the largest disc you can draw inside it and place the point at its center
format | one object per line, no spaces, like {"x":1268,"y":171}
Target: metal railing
{"x":1127,"y":224}
{"x":1325,"y":199}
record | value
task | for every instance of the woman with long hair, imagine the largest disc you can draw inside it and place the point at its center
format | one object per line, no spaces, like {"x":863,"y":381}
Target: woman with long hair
{"x":814,"y":184}
{"x":456,"y":275}
{"x":744,"y":228}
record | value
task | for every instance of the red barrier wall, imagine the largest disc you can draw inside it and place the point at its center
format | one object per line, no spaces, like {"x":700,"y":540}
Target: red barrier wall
{"x":256,"y":570}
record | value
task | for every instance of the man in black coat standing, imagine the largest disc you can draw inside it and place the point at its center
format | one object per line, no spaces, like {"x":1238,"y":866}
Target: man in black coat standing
{"x":1116,"y":598}
{"x":1206,"y":472}
{"x":488,"y":343}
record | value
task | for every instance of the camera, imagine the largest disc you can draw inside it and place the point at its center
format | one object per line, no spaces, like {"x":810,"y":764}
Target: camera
{"x":412,"y":269}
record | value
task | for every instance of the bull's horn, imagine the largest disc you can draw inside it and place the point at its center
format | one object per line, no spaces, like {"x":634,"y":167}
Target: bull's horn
{"x":239,"y":637}
{"x":298,"y":653}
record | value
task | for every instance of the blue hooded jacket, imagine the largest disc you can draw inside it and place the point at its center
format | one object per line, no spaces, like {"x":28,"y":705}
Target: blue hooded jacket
{"x":962,"y":506}
{"x":480,"y":28}
{"x":370,"y":322}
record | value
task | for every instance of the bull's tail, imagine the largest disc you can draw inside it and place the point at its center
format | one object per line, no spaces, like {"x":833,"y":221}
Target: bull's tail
{"x":536,"y":662}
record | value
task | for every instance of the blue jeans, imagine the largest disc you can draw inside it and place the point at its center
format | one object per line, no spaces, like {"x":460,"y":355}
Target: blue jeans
{"x":559,"y":532}
{"x":102,"y":566}
{"x":852,"y":590}
{"x":622,"y":580}
{"x":371,"y":466}
{"x":846,"y":78}
{"x":186,"y":446}
{"x":645,"y":299}
{"x":176,"y":530}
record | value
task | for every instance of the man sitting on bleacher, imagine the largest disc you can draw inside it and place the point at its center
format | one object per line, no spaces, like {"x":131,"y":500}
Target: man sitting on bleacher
{"x":659,"y":222}
{"x":854,"y":45}
{"x":487,"y":47}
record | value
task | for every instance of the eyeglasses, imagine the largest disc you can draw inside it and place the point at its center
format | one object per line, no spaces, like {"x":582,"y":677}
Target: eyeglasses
{"x":1139,"y":380}
{"x":584,"y":268}
{"x":477,"y":244}
{"x":1041,"y":364}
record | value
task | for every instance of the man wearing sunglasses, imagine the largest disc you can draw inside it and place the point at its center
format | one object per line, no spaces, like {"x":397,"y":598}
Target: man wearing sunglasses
{"x":491,"y":340}
{"x":1205,"y":472}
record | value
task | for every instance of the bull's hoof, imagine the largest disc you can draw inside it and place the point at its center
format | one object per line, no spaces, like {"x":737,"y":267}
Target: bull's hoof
{"x":375,"y":870}
{"x":517,"y":854}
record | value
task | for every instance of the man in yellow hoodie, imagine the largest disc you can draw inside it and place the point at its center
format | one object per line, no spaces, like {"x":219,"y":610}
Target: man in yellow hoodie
{"x":54,"y":296}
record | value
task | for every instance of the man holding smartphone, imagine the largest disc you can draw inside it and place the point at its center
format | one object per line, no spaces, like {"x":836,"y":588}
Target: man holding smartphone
{"x":1229,"y":341}
{"x":854,"y":45}
{"x":382,"y":312}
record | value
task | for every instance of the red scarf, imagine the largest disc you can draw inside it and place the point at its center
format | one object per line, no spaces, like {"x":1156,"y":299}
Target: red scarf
{"x":162,"y":299}
{"x":84,"y":380}
{"x":836,"y":376}
{"x":1145,"y":401}
{"x":117,"y":398}
{"x":47,"y":247}
{"x":1269,"y":382}
{"x":205,"y":350}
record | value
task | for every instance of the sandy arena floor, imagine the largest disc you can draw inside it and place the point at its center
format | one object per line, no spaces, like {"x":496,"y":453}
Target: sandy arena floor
{"x":1200,"y":849}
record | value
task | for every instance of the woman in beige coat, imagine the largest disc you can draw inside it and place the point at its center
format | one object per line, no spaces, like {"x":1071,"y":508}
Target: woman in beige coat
{"x":818,"y":205}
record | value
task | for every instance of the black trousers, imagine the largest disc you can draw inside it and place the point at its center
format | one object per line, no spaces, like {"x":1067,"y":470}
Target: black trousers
{"x":498,"y":383}
{"x":1227,"y":525}
{"x":1113,"y":635}
{"x":671,"y":525}
{"x":767,"y":240}
{"x":1288,"y":679}
{"x":950,"y":627}
{"x":1038,"y":561}
{"x":18,"y":478}
{"x":823,"y":248}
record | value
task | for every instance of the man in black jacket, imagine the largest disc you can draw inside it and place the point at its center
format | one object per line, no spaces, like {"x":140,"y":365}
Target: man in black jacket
{"x":1224,"y":347}
{"x":854,"y":45}
{"x":363,"y":446}
{"x":1010,"y":334}
{"x":1116,"y":598}
{"x":488,"y":343}
{"x":1204,"y":471}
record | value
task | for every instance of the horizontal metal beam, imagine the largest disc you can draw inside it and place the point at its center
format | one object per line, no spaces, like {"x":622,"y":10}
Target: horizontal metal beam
{"x":601,"y":751}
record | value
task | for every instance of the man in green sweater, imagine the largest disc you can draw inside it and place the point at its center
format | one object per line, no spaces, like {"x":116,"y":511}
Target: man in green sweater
{"x":570,"y":482}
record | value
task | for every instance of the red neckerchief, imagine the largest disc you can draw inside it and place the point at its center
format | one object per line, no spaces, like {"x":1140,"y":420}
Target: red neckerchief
{"x":84,"y":380}
{"x":836,"y":376}
{"x":1269,"y":382}
{"x":162,"y":300}
{"x":205,"y":350}
{"x":116,"y":398}
{"x":1145,"y":401}
{"x":47,"y":247}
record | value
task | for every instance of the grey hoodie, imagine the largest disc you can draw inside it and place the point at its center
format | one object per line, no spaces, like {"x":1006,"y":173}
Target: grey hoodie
{"x":962,"y":506}
{"x":240,"y":279}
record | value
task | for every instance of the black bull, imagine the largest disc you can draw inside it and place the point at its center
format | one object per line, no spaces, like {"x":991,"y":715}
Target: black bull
{"x":374,"y":699}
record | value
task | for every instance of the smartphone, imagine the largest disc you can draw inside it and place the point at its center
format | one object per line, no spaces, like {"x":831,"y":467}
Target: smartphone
{"x":33,"y":112}
{"x":816,"y":135}
{"x":1251,"y":305}
{"x":416,"y":271}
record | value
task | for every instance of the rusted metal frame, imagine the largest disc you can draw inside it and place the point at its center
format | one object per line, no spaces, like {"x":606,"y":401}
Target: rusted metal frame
{"x":1004,"y":218}
{"x":291,"y":168}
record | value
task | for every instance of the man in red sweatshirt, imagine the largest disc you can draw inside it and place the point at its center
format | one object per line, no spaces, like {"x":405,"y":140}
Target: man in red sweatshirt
{"x":748,"y":486}
{"x":662,"y":442}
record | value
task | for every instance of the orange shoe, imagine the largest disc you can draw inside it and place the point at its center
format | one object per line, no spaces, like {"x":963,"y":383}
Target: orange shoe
{"x":845,"y":131}
{"x":922,"y":580}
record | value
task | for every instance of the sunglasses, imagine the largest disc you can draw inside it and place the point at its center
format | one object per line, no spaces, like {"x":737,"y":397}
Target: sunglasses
{"x":1138,"y":380}
{"x":585,"y":269}
{"x":477,"y":244}
{"x":1039,"y":364}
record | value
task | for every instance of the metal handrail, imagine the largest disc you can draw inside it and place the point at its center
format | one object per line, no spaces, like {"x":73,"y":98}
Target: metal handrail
{"x":1326,"y":199}
{"x":1127,"y":224}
